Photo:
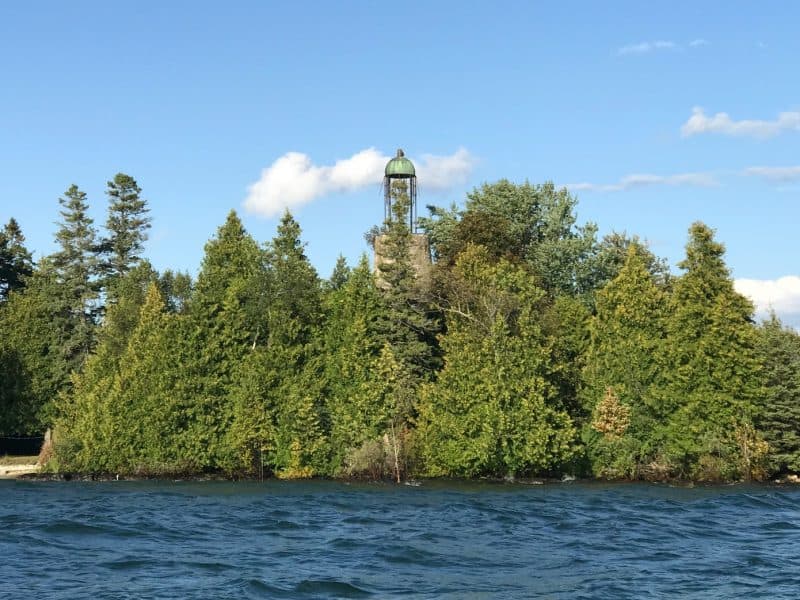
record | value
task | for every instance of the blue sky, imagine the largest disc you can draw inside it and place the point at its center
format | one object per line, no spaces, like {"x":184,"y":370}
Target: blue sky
{"x":656,"y":115}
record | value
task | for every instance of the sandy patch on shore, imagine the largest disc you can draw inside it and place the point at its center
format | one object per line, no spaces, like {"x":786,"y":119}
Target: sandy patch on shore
{"x":14,"y":471}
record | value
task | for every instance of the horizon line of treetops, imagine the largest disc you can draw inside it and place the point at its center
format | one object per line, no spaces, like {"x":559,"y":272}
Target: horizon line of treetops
{"x":530,"y":348}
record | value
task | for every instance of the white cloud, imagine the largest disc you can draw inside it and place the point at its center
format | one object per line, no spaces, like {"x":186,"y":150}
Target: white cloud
{"x":294,"y":180}
{"x":443,"y":172}
{"x":721,"y":122}
{"x":639,"y":180}
{"x":779,"y":174}
{"x":781,"y":295}
{"x":645,"y":47}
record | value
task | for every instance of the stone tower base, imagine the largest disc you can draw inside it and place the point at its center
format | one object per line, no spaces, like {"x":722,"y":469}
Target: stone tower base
{"x":419,"y":254}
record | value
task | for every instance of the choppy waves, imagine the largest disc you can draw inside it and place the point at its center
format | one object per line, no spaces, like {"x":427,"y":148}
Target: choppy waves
{"x":329,"y":540}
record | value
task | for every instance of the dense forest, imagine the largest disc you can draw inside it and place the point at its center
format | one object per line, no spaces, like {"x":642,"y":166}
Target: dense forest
{"x":530,"y":348}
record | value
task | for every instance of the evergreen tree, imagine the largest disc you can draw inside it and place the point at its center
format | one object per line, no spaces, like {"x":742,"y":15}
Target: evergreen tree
{"x":127,"y":225}
{"x":565,"y":324}
{"x":123,"y":316}
{"x":15,"y":261}
{"x":35,"y":324}
{"x":223,"y":326}
{"x":712,"y":371}
{"x":18,"y":411}
{"x":294,"y":292}
{"x":145,"y":420}
{"x":176,"y":289}
{"x":75,"y":265}
{"x":779,"y":416}
{"x":87,"y":412}
{"x":295,"y":315}
{"x":491,"y":410}
{"x":340,"y":274}
{"x":410,"y":324}
{"x":279,"y":416}
{"x":622,"y":361}
{"x":612,"y":254}
{"x":359,"y":401}
{"x":121,"y":416}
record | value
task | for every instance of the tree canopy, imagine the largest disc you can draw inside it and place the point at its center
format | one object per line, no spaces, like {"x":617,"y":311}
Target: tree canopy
{"x":529,"y":348}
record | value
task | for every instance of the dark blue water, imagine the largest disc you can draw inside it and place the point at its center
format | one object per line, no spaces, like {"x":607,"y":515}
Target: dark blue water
{"x":329,"y":540}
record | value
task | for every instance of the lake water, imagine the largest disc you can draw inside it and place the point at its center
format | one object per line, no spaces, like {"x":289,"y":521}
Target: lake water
{"x":439,"y":540}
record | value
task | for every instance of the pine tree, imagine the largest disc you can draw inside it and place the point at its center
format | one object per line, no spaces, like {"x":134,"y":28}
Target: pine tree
{"x":15,"y":260}
{"x":340,"y":274}
{"x":127,"y":225}
{"x":49,"y":330}
{"x":75,"y":265}
{"x":779,"y":417}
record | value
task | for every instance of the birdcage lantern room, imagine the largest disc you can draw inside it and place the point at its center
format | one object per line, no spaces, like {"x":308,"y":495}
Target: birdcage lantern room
{"x":401,"y":168}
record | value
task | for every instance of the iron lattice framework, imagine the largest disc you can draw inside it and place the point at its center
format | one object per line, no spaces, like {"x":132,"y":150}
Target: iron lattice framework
{"x":403,"y":169}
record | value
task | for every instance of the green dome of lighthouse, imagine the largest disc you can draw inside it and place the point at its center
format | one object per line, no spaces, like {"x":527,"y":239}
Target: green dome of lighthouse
{"x":400,"y":167}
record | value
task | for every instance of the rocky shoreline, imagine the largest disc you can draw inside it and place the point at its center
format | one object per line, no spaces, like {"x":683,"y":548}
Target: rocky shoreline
{"x":34,"y":473}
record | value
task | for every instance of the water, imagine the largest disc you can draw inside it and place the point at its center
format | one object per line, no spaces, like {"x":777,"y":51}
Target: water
{"x":453,"y":540}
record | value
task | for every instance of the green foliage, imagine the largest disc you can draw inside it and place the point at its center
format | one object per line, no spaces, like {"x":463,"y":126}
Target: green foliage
{"x":176,"y":288}
{"x":15,"y":261}
{"x":627,"y":334}
{"x":341,"y":272}
{"x":75,"y":265}
{"x":278,"y":417}
{"x":122,"y":317}
{"x":565,"y":323}
{"x":534,"y":224}
{"x":409,"y":324}
{"x":127,"y":226}
{"x":128,"y":420}
{"x":18,"y":411}
{"x":351,"y":343}
{"x":38,"y":330}
{"x":223,"y":328}
{"x":612,"y":254}
{"x":711,"y":369}
{"x":779,"y":415}
{"x":526,"y":332}
{"x":491,"y":410}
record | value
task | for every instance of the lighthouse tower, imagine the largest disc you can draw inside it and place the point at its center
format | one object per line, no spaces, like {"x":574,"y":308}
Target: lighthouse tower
{"x":401,"y":169}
